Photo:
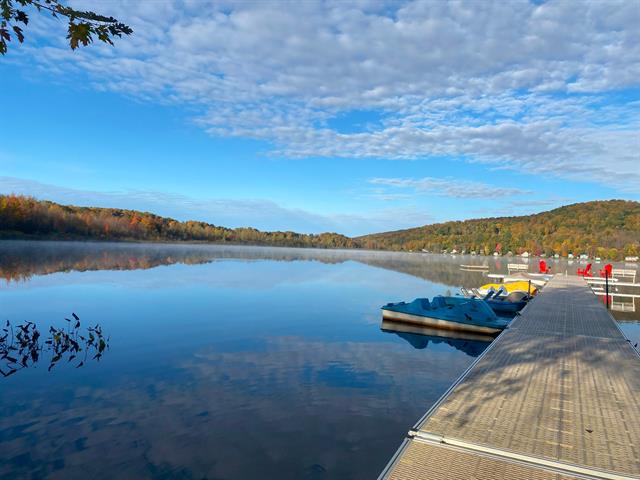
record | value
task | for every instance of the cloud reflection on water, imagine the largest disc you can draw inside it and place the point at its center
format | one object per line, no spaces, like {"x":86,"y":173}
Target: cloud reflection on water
{"x":230,"y":414}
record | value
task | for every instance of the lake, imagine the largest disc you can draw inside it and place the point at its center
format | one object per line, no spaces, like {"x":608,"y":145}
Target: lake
{"x":227,"y":362}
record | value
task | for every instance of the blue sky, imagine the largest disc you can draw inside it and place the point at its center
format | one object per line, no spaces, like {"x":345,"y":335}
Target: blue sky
{"x":361,"y":117}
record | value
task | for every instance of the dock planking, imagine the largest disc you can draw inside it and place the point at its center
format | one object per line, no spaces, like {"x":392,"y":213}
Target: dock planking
{"x":554,"y":397}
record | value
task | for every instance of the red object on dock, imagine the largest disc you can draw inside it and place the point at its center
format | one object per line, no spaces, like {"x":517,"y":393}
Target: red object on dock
{"x":607,"y":271}
{"x":585,"y":272}
{"x":543,"y":268}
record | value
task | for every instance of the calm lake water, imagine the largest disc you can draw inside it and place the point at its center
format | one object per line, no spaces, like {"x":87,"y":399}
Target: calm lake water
{"x":227,"y":362}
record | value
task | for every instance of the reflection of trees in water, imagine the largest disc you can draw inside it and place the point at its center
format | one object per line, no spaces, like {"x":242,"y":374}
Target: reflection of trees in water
{"x":22,"y":260}
{"x":23,"y":346}
{"x":19,"y":260}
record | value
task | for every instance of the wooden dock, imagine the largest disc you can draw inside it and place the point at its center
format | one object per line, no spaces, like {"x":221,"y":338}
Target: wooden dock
{"x":555,"y":396}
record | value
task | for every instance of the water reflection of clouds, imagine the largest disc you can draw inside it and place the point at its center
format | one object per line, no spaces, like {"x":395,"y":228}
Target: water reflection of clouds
{"x":247,"y":413}
{"x":226,"y":362}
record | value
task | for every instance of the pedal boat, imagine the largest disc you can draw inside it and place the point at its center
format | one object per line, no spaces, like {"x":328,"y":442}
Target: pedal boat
{"x":448,"y":313}
{"x":537,"y":279}
{"x":500,"y":301}
{"x":510,"y":287}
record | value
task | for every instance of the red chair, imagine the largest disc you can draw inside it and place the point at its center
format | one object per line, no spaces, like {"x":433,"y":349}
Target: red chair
{"x":585,"y":272}
{"x":543,"y":268}
{"x":606,"y":299}
{"x":607,"y":271}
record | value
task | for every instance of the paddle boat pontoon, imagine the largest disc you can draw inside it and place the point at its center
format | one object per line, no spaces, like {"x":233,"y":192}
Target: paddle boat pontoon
{"x":449,"y":313}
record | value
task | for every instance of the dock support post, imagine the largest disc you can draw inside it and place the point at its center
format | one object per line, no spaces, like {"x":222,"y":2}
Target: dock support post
{"x":606,"y":288}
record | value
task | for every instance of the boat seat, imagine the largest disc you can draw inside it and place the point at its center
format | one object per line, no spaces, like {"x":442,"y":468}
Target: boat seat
{"x":516,"y":297}
{"x":424,"y":303}
{"x":438,"y":302}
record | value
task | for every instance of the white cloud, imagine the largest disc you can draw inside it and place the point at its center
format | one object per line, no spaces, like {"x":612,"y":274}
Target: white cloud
{"x":257,"y":213}
{"x":514,"y":84}
{"x":449,"y":187}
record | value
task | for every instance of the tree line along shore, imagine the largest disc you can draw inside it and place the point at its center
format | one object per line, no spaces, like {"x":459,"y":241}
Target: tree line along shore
{"x":607,"y":229}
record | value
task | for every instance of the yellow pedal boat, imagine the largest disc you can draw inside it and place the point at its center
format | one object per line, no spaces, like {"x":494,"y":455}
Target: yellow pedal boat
{"x":510,"y":287}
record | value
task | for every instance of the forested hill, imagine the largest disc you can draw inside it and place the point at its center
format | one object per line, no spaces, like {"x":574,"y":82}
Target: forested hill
{"x":25,"y":217}
{"x":608,"y":229}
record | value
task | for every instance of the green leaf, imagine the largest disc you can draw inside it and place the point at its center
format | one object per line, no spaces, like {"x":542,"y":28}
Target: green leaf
{"x":5,"y":10}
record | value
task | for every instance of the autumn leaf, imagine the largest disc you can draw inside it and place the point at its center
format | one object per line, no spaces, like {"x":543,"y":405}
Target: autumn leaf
{"x":19,"y":34}
{"x":79,"y":33}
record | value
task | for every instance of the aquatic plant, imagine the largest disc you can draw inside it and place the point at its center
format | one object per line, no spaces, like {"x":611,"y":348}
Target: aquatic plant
{"x":23,"y":346}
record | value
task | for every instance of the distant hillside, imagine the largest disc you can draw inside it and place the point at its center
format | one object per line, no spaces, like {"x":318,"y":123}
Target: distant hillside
{"x":25,"y":217}
{"x":608,"y":229}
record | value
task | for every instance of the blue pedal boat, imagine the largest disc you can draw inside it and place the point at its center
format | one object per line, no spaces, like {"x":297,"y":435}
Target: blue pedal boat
{"x":502,"y":305}
{"x":449,"y":313}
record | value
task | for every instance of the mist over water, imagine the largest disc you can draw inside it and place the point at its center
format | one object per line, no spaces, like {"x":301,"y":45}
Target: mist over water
{"x":227,"y":362}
